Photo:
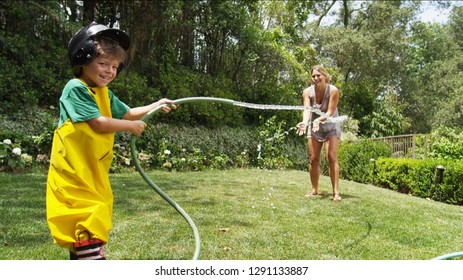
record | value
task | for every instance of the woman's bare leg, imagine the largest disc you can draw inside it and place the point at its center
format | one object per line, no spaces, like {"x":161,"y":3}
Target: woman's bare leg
{"x":314,"y":164}
{"x":332,"y":155}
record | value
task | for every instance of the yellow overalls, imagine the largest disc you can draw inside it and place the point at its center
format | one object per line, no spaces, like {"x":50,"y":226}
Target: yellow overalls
{"x":79,"y":196}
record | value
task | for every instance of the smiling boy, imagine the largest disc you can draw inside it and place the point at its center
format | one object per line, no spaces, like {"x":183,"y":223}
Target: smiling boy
{"x":79,"y":195}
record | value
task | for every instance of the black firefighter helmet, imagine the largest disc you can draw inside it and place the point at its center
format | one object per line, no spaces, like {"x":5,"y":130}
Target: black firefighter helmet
{"x":81,"y":48}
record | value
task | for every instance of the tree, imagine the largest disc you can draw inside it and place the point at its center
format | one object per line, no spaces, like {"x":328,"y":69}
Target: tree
{"x":33,"y":36}
{"x":387,"y":119}
{"x":366,"y":53}
{"x":450,"y":103}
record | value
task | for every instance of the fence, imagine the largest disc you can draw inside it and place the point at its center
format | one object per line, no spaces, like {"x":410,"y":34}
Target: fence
{"x":410,"y":145}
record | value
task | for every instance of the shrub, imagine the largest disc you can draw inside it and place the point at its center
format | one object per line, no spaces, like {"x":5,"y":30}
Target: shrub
{"x":447,"y":144}
{"x":394,"y":174}
{"x":270,"y":149}
{"x":12,"y":158}
{"x":451,"y":189}
{"x":423,"y":177}
{"x":420,"y":178}
{"x":196,"y":148}
{"x":355,"y":159}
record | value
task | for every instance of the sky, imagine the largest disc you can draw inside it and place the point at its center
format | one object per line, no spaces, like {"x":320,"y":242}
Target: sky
{"x":432,"y":14}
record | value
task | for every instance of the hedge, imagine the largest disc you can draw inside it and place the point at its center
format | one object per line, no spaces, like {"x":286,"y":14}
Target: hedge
{"x":421,"y":178}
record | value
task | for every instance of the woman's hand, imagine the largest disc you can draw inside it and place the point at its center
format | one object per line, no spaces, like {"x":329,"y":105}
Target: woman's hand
{"x":301,"y":128}
{"x":316,"y":125}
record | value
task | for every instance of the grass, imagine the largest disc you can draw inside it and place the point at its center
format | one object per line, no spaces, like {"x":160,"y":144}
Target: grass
{"x":241,"y":214}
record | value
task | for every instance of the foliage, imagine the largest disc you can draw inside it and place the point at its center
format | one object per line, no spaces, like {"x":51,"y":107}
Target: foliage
{"x":33,"y":35}
{"x":251,"y":51}
{"x":197,"y":148}
{"x":271,"y":154}
{"x":421,"y":178}
{"x":181,"y":83}
{"x":366,"y":51}
{"x":183,"y":148}
{"x":191,"y":148}
{"x":133,"y":89}
{"x":394,"y":174}
{"x":432,"y":82}
{"x":450,"y":190}
{"x":32,"y":129}
{"x":355,"y":159}
{"x":447,"y":144}
{"x":387,"y":119}
{"x":12,"y":157}
{"x":350,"y":129}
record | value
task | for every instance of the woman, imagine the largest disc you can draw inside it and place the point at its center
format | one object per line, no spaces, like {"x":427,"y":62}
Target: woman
{"x":323,"y":96}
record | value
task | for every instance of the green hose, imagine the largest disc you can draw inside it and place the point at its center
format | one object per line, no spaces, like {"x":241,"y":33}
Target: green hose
{"x":449,"y":256}
{"x":140,"y":170}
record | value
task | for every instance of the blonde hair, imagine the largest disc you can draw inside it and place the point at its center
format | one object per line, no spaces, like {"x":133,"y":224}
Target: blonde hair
{"x":323,"y":71}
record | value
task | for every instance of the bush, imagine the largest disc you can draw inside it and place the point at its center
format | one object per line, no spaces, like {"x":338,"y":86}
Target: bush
{"x":32,"y":130}
{"x":270,"y":149}
{"x":447,"y":144}
{"x":451,"y":189}
{"x":175,"y":147}
{"x":355,"y":159}
{"x":394,"y":173}
{"x":421,"y":178}
{"x":12,"y":158}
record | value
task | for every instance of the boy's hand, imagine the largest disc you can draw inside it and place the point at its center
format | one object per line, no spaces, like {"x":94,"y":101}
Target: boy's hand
{"x":137,"y":127}
{"x":170,"y":106}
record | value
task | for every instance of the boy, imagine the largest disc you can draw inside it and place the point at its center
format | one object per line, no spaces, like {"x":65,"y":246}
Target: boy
{"x":79,"y":196}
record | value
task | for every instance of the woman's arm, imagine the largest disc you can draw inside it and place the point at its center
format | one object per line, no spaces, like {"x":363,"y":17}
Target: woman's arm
{"x":302,"y":126}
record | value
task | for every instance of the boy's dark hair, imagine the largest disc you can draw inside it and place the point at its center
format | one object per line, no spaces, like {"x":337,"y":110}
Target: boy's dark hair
{"x":105,"y":46}
{"x":82,"y":48}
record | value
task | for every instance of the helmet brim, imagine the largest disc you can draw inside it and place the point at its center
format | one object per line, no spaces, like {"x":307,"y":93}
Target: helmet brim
{"x":116,"y":34}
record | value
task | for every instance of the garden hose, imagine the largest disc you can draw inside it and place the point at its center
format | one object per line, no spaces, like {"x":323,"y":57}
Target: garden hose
{"x":148,"y":115}
{"x":134,"y":153}
{"x":449,"y":256}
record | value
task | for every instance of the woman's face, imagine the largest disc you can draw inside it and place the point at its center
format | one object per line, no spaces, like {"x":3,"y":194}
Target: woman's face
{"x":101,"y":71}
{"x":317,"y":77}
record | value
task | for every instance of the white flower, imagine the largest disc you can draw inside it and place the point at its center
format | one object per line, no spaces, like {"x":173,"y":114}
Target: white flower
{"x":183,"y":159}
{"x":127,"y":161}
{"x":7,"y":142}
{"x":17,"y":151}
{"x":26,"y":158}
{"x":167,"y":152}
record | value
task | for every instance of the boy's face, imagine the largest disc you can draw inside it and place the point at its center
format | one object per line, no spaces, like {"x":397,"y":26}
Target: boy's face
{"x":101,"y":71}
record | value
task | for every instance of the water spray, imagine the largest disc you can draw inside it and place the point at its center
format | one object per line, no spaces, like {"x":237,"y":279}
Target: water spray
{"x":145,"y":118}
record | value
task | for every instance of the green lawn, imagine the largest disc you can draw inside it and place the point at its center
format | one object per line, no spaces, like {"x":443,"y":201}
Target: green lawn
{"x":248,"y":214}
